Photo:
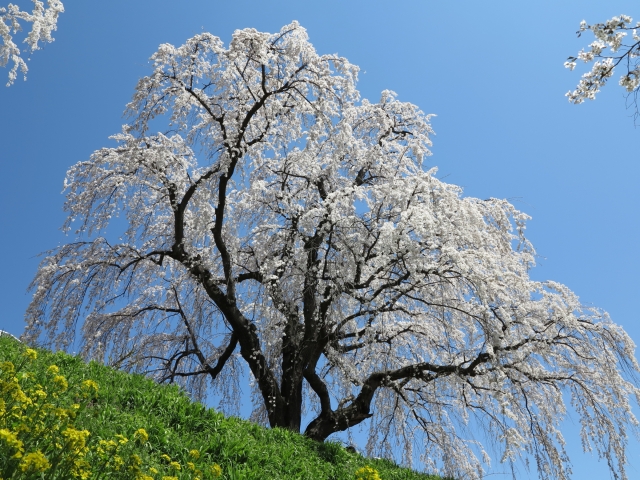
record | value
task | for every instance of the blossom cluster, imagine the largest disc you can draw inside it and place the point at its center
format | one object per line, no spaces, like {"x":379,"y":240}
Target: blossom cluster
{"x":43,"y":22}
{"x":40,"y":438}
{"x":610,"y":34}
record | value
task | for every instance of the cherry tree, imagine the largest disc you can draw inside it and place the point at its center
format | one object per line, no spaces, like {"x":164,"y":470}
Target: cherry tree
{"x":44,"y":21}
{"x":284,"y":230}
{"x":610,"y":35}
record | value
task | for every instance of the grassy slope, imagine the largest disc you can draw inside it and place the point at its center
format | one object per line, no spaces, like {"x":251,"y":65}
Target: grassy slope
{"x":176,"y":425}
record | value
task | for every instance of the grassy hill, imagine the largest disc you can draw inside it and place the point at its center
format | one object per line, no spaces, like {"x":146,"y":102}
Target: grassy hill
{"x":132,"y":428}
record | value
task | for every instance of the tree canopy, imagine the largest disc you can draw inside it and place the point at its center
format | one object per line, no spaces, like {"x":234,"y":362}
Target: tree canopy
{"x":280,"y":227}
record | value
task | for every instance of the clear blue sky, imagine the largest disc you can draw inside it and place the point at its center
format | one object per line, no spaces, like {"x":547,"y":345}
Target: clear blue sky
{"x":492,"y":72}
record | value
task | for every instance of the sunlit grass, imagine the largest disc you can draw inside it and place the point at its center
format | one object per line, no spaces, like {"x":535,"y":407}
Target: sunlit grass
{"x":61,"y":418}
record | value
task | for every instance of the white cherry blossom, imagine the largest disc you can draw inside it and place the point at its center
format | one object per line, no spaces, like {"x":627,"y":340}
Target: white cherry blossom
{"x":609,"y":35}
{"x":44,"y":22}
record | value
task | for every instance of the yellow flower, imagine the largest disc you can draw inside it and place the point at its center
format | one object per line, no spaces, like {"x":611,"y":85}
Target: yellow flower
{"x":7,"y":367}
{"x":89,"y":386}
{"x":166,"y":457}
{"x":81,"y":469}
{"x":106,"y":446}
{"x":117,"y":460}
{"x":136,"y":461}
{"x":216,"y":470}
{"x":153,"y":471}
{"x":35,"y":461}
{"x":11,"y":439}
{"x":191,"y":466}
{"x":169,"y":478}
{"x":23,"y":428}
{"x":76,"y":439}
{"x":121,"y":439}
{"x":194,"y":453}
{"x":53,"y":369}
{"x":141,"y":434}
{"x":60,"y":413}
{"x":30,"y":354}
{"x":367,"y":473}
{"x":142,"y":476}
{"x":71,"y":412}
{"x":40,"y":394}
{"x":60,"y":382}
{"x":19,"y":396}
{"x":175,"y":465}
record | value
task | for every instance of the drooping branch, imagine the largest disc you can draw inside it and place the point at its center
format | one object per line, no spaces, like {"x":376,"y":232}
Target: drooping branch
{"x":358,"y":410}
{"x":206,"y":369}
{"x":44,"y":20}
{"x":609,"y":35}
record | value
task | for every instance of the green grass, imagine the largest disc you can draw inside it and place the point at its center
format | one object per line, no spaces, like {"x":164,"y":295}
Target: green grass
{"x":176,"y":425}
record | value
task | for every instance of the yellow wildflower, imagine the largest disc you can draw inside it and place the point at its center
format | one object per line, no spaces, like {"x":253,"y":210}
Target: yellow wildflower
{"x":7,"y":367}
{"x":60,"y":382}
{"x":19,"y":396}
{"x":106,"y":446}
{"x":166,"y":457}
{"x":121,"y":439}
{"x":216,"y":470}
{"x":141,"y":434}
{"x":81,"y":469}
{"x":11,"y":439}
{"x":23,"y":428}
{"x":191,"y":466}
{"x":367,"y":473}
{"x":153,"y":471}
{"x":35,"y":461}
{"x":89,"y":386}
{"x":169,"y":478}
{"x":30,"y":354}
{"x":60,"y":413}
{"x":136,"y":460}
{"x":117,"y":460}
{"x":175,"y":465}
{"x":40,"y":394}
{"x":76,"y":439}
{"x":53,"y":369}
{"x":194,"y":453}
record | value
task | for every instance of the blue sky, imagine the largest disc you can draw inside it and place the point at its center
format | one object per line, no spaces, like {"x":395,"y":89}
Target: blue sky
{"x":491,"y":71}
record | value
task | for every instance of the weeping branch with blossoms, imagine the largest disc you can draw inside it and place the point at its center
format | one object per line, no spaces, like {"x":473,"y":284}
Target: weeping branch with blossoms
{"x":609,"y":35}
{"x":44,"y":22}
